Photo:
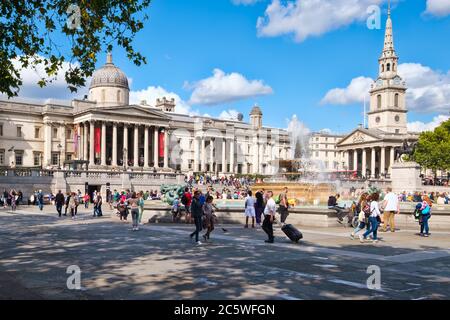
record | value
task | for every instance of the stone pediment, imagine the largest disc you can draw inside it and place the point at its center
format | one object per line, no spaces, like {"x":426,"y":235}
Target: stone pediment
{"x":132,"y":111}
{"x":357,"y":137}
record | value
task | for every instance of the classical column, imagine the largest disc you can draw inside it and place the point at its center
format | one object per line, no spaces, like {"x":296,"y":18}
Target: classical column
{"x":232,"y":155}
{"x":155,"y":148}
{"x":103,"y":153}
{"x":355,"y":160}
{"x":114,"y":145}
{"x":364,"y":162}
{"x":391,"y":159}
{"x":85,"y":141}
{"x":372,"y":163}
{"x":125,"y":144}
{"x":211,"y":155}
{"x":383,"y":162}
{"x":261,"y":158}
{"x":47,"y":143}
{"x":91,"y":143}
{"x":136,"y":145}
{"x":203,"y":155}
{"x":62,"y":151}
{"x":166,"y":148}
{"x":146,"y":147}
{"x":224,"y":155}
{"x":196,"y":153}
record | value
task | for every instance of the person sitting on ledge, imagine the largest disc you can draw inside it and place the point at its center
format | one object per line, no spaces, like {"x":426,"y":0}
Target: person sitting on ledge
{"x":332,"y":204}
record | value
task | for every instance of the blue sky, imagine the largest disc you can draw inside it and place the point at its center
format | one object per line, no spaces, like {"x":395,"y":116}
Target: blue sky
{"x":290,"y":61}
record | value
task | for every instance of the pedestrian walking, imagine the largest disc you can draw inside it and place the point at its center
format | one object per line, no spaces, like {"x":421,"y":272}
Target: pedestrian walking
{"x":73,"y":205}
{"x":284,"y":206}
{"x":425,"y":215}
{"x":361,"y":208}
{"x":259,"y":207}
{"x":391,"y":207}
{"x":133,"y":203}
{"x":59,"y":202}
{"x":197,"y":214}
{"x":208,"y":211}
{"x":141,"y":204}
{"x":374,"y":218}
{"x":269,"y":217}
{"x":67,"y":200}
{"x":40,"y":200}
{"x":86,"y":201}
{"x":98,"y":205}
{"x":186,"y":200}
{"x":249,"y":209}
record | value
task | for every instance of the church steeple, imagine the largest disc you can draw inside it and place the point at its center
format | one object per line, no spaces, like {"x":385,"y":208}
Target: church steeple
{"x":389,"y":59}
{"x":387,"y":95}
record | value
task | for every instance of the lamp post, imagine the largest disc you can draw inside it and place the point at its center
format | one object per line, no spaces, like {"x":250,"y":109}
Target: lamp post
{"x":41,"y":157}
{"x":59,"y":146}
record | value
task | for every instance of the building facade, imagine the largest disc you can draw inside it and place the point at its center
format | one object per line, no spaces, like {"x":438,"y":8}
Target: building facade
{"x":324,"y":153}
{"x":371,"y":151}
{"x":109,"y":133}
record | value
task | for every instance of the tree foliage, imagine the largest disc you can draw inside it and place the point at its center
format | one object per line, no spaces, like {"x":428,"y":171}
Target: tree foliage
{"x":34,"y":32}
{"x":433,"y":148}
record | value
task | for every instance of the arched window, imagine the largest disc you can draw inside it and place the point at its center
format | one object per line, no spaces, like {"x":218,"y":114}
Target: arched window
{"x":103,"y":95}
{"x":382,"y":68}
{"x":396,"y":100}
{"x":388,"y":67}
{"x":118,"y":95}
{"x":379,"y":101}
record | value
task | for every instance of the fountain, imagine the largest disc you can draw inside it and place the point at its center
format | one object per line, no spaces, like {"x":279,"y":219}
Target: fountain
{"x":305,"y":186}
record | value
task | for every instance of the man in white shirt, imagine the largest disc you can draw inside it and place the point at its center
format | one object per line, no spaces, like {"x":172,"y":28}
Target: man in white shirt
{"x":391,"y":207}
{"x":269,"y":216}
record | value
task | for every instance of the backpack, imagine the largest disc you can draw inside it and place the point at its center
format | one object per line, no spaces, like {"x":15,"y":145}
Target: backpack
{"x":184,"y":199}
{"x":278,"y":199}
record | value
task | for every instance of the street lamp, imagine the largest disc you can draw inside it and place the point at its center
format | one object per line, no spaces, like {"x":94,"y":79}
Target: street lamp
{"x":59,"y":146}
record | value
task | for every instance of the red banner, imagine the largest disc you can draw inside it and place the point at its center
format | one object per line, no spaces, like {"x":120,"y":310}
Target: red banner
{"x":161,"y":144}
{"x":98,"y":138}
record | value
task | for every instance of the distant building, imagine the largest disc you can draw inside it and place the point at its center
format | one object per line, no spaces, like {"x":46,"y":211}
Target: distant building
{"x":109,"y":133}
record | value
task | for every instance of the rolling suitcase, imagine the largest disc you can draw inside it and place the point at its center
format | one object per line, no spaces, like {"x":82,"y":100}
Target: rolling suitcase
{"x":292,"y":233}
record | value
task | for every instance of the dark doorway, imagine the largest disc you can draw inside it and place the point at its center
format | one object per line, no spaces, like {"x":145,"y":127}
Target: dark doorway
{"x":91,"y":189}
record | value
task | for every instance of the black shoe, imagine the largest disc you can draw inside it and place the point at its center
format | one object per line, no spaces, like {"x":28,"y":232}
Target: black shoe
{"x":268,"y":241}
{"x":224,"y":230}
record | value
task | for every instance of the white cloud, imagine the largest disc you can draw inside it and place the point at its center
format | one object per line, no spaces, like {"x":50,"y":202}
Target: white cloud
{"x":307,"y":18}
{"x":244,"y":2}
{"x":439,"y":8}
{"x":231,"y":114}
{"x":56,"y":90}
{"x":222,"y":88}
{"x":353,"y":93}
{"x":428,"y":89}
{"x":151,"y":93}
{"x":418,"y":126}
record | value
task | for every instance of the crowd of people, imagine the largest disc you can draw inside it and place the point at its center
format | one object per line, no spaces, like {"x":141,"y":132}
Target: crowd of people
{"x":232,"y":181}
{"x":372,"y":212}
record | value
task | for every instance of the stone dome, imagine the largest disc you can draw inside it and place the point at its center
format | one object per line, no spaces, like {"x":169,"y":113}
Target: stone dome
{"x":256,"y":111}
{"x":109,"y":76}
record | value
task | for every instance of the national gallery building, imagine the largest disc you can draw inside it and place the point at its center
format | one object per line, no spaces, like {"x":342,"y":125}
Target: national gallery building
{"x":104,"y":132}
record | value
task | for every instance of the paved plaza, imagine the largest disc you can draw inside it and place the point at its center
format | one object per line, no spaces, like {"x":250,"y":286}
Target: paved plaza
{"x":160,"y":262}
